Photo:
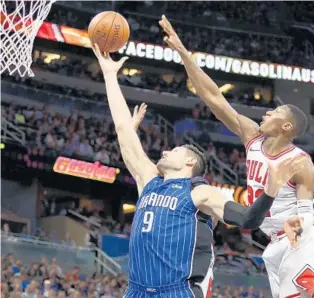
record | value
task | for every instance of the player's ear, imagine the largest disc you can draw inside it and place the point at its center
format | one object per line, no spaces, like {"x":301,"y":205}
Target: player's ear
{"x":287,"y":126}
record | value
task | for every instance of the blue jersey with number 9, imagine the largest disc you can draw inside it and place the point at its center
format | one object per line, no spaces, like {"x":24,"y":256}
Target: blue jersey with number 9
{"x":164,"y":234}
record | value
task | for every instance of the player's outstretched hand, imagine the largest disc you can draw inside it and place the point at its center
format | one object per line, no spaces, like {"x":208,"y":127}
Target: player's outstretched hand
{"x":293,"y":228}
{"x":108,"y":66}
{"x":279,"y":174}
{"x":172,"y":38}
{"x":138,"y":115}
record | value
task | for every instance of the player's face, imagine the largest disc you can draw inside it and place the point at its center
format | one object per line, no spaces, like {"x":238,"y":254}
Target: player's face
{"x":275,"y":122}
{"x":172,"y":160}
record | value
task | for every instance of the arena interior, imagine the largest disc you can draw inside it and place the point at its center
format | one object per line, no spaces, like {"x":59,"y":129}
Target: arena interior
{"x":64,"y":228}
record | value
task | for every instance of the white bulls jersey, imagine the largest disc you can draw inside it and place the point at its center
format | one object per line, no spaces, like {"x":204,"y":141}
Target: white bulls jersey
{"x":285,"y":203}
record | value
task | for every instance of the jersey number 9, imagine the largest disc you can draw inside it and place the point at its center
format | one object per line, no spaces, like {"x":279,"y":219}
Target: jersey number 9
{"x":148,"y":221}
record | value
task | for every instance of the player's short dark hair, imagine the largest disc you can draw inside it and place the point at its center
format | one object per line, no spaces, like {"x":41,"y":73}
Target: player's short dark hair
{"x":200,"y":168}
{"x":300,"y":120}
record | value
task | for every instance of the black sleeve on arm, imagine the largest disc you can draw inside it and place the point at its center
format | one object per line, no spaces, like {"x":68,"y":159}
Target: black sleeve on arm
{"x":247,"y":217}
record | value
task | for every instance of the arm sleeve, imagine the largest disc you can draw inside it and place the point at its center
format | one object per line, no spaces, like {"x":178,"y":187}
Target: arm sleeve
{"x":248,"y":217}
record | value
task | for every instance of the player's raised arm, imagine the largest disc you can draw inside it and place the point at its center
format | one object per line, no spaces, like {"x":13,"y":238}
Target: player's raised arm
{"x":210,"y":201}
{"x":209,"y":92}
{"x":137,"y":162}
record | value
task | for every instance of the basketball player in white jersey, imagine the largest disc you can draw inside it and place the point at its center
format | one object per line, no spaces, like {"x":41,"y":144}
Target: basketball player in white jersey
{"x":290,"y":270}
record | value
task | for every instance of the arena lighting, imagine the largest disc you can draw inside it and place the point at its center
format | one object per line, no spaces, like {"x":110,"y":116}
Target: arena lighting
{"x":51,"y":57}
{"x":130,"y":72}
{"x":226,"y":88}
{"x":128,"y":208}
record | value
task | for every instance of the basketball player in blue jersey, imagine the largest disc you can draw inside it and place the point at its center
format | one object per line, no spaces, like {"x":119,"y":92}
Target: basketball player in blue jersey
{"x":170,"y":253}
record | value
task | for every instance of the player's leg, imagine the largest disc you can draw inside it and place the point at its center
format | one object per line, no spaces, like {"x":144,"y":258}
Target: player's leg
{"x":296,"y":272}
{"x":272,"y":257}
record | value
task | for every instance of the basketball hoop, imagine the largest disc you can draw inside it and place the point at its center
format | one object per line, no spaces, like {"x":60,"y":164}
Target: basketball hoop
{"x":20,"y":22}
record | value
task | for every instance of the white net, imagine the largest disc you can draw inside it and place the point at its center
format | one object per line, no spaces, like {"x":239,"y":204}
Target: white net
{"x":20,"y":22}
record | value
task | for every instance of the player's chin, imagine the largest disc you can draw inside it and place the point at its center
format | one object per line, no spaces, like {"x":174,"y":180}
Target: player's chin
{"x":262,"y":127}
{"x":161,"y":164}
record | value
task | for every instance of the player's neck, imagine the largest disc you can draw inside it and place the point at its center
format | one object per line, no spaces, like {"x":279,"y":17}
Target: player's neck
{"x":176,"y":175}
{"x":275,"y":145}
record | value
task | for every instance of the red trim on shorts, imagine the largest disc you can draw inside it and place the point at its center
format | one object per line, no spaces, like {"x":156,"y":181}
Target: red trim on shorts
{"x":272,"y":157}
{"x":247,"y":147}
{"x":209,"y":289}
{"x":296,"y":295}
{"x":291,"y":184}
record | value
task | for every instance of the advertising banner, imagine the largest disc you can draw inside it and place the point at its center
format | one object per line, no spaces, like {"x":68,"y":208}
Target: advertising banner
{"x":205,"y":60}
{"x":94,"y":171}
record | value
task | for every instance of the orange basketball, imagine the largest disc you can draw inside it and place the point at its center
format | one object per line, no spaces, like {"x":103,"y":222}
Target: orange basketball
{"x":109,"y":30}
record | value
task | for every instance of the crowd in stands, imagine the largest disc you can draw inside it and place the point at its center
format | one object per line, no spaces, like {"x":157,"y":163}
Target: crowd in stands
{"x":254,"y":13}
{"x":237,"y":44}
{"x":48,"y":279}
{"x":226,"y":43}
{"x":77,"y":135}
{"x":237,"y":292}
{"x":94,"y":138}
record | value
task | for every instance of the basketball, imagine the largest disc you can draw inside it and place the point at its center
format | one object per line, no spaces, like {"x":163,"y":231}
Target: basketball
{"x":109,"y":30}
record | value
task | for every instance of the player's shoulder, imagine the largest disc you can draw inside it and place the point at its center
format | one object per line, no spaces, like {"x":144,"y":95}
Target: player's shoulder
{"x":198,"y":181}
{"x":298,"y":151}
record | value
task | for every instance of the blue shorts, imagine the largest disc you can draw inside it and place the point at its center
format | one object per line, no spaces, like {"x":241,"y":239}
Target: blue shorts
{"x":181,"y":290}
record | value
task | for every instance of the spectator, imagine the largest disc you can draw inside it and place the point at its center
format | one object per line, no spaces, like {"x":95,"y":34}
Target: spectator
{"x":217,"y":292}
{"x":86,"y":149}
{"x":33,"y":271}
{"x":19,"y":117}
{"x":6,"y":229}
{"x":73,"y":276}
{"x":31,"y":290}
{"x":103,"y":156}
{"x":249,"y":294}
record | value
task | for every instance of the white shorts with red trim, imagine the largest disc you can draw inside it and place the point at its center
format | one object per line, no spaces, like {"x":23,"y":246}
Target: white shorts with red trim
{"x":291,"y":270}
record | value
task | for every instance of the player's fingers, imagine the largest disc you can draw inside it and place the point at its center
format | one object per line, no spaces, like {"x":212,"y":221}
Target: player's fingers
{"x":135,"y":110}
{"x":167,"y":40}
{"x":166,"y":25}
{"x":107,"y":56}
{"x":98,"y":53}
{"x":94,"y":50}
{"x":123,"y":59}
{"x":143,"y":107}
